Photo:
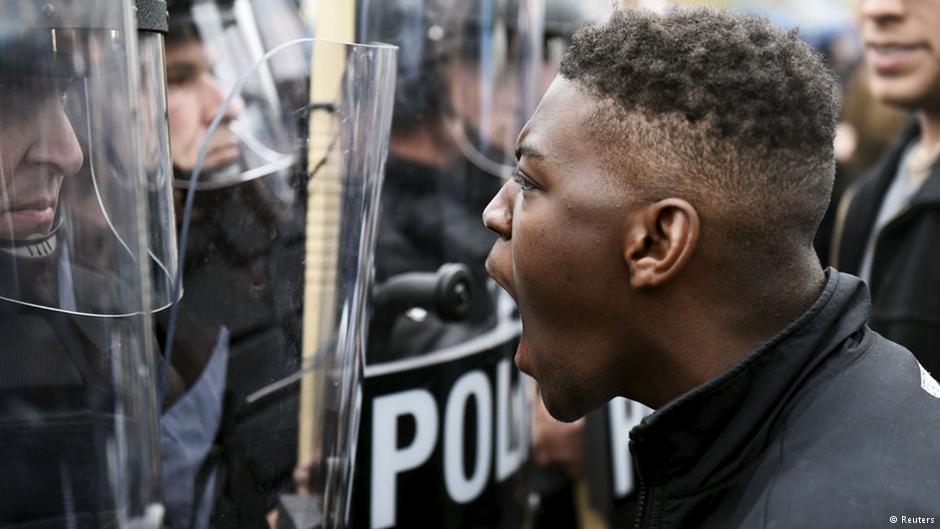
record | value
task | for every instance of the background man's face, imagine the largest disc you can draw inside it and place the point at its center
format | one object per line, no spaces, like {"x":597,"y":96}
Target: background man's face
{"x":902,"y":50}
{"x":38,"y":149}
{"x":561,"y":226}
{"x":193,"y":99}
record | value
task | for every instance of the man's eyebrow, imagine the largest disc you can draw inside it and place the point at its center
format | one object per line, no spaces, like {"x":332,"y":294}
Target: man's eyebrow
{"x":528,"y":151}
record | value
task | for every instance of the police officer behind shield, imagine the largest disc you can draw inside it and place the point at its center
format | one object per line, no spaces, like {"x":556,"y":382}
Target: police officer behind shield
{"x":76,"y":396}
{"x":232,"y":334}
{"x":446,"y":151}
{"x":238,"y":335}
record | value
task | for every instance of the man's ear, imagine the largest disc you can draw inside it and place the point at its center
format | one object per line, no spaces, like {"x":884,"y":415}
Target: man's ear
{"x":660,"y":241}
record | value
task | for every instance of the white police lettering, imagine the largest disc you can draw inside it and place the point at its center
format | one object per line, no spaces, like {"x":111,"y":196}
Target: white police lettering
{"x":512,"y":441}
{"x":387,"y":459}
{"x":461,"y":488}
{"x":624,"y":415}
{"x":928,"y":383}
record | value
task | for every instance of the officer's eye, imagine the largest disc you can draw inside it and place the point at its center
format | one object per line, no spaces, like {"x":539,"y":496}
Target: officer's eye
{"x":524,"y":183}
{"x":181,"y":74}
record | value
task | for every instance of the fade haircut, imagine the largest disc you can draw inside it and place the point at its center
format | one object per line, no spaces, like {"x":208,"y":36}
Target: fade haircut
{"x":718,"y":108}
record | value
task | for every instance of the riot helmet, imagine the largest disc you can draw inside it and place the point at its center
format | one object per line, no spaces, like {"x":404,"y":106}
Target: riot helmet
{"x":68,"y":186}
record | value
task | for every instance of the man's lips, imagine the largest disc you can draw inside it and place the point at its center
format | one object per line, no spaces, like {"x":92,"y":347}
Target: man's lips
{"x":28,"y":220}
{"x":39,"y":204}
{"x":890,"y":57}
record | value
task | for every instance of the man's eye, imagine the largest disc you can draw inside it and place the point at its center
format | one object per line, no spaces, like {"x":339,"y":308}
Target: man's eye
{"x":181,"y":74}
{"x":524,"y":183}
{"x":177,"y":80}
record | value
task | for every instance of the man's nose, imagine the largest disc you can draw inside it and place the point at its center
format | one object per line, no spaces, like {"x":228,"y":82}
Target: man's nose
{"x":56,"y":144}
{"x":498,"y":213}
{"x":883,"y":9}
{"x":213,"y":97}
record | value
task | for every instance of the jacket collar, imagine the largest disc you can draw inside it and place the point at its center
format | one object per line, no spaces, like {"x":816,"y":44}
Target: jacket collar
{"x":707,"y":435}
{"x":866,"y":201}
{"x":887,"y":170}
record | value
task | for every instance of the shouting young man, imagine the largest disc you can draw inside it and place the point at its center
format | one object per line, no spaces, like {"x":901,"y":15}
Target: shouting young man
{"x":658,"y":239}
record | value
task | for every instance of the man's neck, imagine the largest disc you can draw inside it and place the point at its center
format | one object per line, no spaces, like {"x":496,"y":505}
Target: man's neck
{"x":719,"y":335}
{"x":930,"y":129}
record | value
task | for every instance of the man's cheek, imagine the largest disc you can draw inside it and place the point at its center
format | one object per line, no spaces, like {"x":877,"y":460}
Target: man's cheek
{"x":541,"y":274}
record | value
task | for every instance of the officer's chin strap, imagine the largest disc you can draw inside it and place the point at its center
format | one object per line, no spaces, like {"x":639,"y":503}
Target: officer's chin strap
{"x":188,"y":206}
{"x":33,"y":248}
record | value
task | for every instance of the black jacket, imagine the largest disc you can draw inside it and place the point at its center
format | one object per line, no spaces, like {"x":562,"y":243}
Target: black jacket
{"x":905,"y":273}
{"x":825,"y":425}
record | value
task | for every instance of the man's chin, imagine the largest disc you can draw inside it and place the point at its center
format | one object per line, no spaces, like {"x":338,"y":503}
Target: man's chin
{"x":25,"y":225}
{"x":564,"y":412}
{"x":222,"y":157}
{"x":228,"y":172}
{"x":902,"y":93}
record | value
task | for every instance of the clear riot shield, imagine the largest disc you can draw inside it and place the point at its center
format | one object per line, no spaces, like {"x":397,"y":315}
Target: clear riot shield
{"x":442,"y":337}
{"x":278,"y":157}
{"x":77,"y":422}
{"x":155,"y":142}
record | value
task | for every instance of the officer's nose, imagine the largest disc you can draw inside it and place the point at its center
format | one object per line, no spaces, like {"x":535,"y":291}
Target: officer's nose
{"x":213,"y":97}
{"x":883,"y":9}
{"x":498,"y":213}
{"x":56,"y":143}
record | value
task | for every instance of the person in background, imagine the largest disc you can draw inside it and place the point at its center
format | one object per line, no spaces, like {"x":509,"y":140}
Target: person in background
{"x":888,"y":228}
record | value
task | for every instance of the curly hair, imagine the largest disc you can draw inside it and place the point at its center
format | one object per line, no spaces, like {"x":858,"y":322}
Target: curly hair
{"x":717,"y":107}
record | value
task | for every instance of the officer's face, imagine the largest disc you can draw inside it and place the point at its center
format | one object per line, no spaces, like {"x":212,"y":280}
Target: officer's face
{"x":561,"y":222}
{"x":193,"y":98}
{"x":494,"y":115}
{"x":902,"y":51}
{"x":38,"y":149}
